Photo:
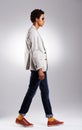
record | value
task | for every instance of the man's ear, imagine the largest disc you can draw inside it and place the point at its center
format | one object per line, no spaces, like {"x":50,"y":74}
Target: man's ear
{"x":36,"y":19}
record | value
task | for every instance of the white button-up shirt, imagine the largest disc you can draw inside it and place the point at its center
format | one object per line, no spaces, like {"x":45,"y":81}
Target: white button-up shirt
{"x":35,"y":52}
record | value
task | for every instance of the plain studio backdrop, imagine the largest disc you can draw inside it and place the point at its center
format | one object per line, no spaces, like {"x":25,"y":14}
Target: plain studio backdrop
{"x":62,"y":35}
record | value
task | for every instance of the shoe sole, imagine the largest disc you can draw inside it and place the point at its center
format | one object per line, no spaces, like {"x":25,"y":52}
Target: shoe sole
{"x":55,"y":124}
{"x":24,"y":125}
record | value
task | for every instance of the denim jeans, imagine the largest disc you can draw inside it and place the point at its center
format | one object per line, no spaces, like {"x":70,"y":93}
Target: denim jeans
{"x":33,"y":85}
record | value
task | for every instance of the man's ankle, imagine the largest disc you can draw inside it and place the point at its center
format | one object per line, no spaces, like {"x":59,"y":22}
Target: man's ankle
{"x":51,"y":118}
{"x":20,"y":117}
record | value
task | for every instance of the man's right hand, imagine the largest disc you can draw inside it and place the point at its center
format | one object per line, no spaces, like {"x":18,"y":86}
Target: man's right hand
{"x":41,"y":74}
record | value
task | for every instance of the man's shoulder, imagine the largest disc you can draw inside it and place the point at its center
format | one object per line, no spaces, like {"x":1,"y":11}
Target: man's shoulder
{"x":32,"y":30}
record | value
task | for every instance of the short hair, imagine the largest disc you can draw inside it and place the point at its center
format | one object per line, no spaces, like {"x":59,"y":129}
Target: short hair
{"x":36,"y":13}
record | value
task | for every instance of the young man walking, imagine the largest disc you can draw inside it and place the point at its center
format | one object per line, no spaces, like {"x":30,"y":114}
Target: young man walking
{"x":36,"y":61}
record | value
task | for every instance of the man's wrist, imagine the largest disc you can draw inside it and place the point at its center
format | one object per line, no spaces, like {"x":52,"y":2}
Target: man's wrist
{"x":40,"y":69}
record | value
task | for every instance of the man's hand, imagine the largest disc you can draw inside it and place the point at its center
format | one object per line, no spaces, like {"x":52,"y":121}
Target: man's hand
{"x":41,"y":74}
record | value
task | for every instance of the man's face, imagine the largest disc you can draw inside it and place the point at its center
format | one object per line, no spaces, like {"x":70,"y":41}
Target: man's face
{"x":40,"y":21}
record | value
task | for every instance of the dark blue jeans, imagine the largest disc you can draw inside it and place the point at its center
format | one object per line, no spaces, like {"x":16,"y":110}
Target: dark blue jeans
{"x":33,"y":85}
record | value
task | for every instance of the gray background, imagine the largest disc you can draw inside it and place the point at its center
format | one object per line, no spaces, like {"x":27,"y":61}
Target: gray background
{"x":62,"y":34}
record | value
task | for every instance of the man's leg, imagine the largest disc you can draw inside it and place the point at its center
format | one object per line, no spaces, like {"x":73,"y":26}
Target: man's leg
{"x":45,"y":96}
{"x":46,"y":102}
{"x":33,"y":85}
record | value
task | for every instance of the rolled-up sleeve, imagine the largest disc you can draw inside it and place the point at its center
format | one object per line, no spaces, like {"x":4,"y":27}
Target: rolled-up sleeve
{"x":37,"y":55}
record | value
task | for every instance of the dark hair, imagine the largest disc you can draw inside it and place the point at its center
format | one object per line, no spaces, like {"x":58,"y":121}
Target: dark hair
{"x":36,"y":14}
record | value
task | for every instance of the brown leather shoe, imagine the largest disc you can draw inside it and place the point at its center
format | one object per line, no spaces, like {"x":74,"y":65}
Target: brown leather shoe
{"x":23,"y":122}
{"x":54,"y":122}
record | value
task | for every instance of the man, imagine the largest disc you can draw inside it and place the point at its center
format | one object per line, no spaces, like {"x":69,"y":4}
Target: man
{"x":36,"y":61}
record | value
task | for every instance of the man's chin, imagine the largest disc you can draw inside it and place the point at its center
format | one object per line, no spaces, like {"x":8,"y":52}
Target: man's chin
{"x":41,"y":25}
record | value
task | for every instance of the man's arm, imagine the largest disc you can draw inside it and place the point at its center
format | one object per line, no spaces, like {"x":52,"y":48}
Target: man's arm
{"x":36,"y":54}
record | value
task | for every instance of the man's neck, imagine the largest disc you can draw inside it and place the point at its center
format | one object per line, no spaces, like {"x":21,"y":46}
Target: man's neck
{"x":36,"y":25}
